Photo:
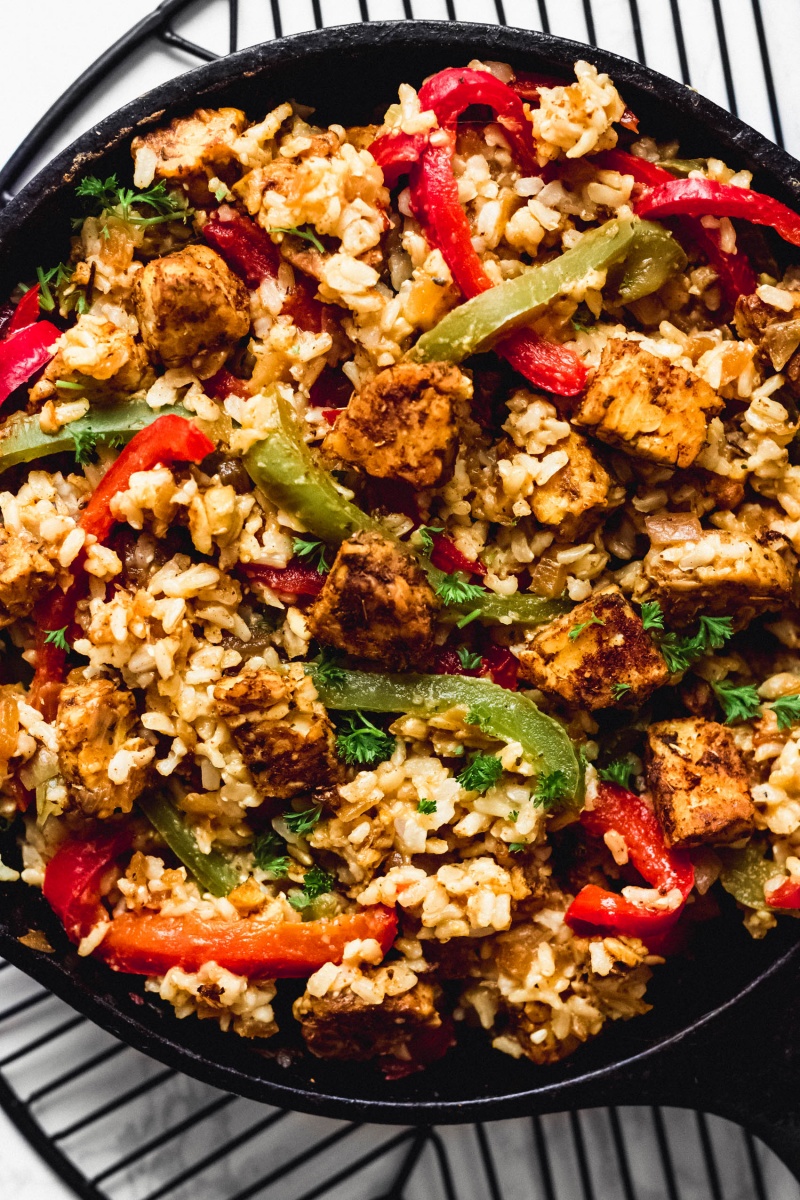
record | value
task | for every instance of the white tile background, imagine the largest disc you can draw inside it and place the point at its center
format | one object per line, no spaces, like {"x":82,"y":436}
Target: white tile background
{"x":45,"y":44}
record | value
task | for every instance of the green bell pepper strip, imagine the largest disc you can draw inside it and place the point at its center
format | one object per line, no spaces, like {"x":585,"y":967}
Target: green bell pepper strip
{"x":500,"y":713}
{"x":745,"y":871}
{"x":282,"y":466}
{"x":212,"y":871}
{"x":23,"y":440}
{"x":652,"y":258}
{"x":477,"y":324}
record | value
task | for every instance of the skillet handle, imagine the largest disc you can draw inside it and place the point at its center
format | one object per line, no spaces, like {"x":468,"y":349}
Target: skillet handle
{"x":744,"y":1066}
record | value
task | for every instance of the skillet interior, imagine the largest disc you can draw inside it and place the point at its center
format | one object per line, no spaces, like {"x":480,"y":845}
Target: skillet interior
{"x":350,"y":74}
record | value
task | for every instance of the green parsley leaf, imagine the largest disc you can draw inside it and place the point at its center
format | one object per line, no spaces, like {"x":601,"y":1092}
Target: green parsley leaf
{"x":516,"y":847}
{"x":57,"y":275}
{"x":577,"y":630}
{"x":739,"y":703}
{"x":58,"y":638}
{"x":620,"y":771}
{"x":106,"y":195}
{"x":652,"y":615}
{"x":360,"y":742}
{"x":477,"y":714}
{"x":512,"y":816}
{"x":316,"y":882}
{"x":328,"y":669}
{"x":269,"y":854}
{"x":427,"y":807}
{"x":425,"y":534}
{"x":482,"y":772}
{"x":469,"y":660}
{"x":787,"y":710}
{"x":714,"y":632}
{"x":307,"y":233}
{"x":309,"y":548}
{"x":618,"y":690}
{"x":454,"y":590}
{"x":549,"y":789}
{"x":302,"y":822}
{"x":677,"y":652}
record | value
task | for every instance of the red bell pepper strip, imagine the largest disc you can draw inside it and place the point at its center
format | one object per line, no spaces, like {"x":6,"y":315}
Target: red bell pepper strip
{"x":26,"y":313}
{"x":396,"y":153}
{"x":293,"y":580}
{"x":169,"y":439}
{"x":706,"y":197}
{"x":250,"y":254}
{"x":450,"y":92}
{"x":448,"y":558}
{"x":434,"y":198}
{"x":246,"y":248}
{"x":594,"y":909}
{"x":225,"y":384}
{"x":149,"y":944}
{"x":501,"y":666}
{"x":787,"y":895}
{"x":734,"y":271}
{"x":23,"y":353}
{"x":73,"y":876}
{"x":526,"y":84}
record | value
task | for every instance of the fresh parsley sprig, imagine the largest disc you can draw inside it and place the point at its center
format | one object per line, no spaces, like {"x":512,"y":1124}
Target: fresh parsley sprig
{"x":787,"y":710}
{"x":269,"y":853}
{"x":58,"y":638}
{"x":426,"y":807}
{"x":455,"y":590}
{"x":316,"y":882}
{"x":361,"y":743}
{"x":328,"y":669}
{"x":620,"y":771}
{"x":107,"y":195}
{"x":310,"y":548}
{"x":425,"y":535}
{"x":481,"y":773}
{"x":739,"y":702}
{"x":618,"y":690}
{"x":307,"y":233}
{"x":652,"y":615}
{"x":302,"y":822}
{"x":550,"y":788}
{"x":468,"y":659}
{"x":86,"y":440}
{"x":577,"y":630}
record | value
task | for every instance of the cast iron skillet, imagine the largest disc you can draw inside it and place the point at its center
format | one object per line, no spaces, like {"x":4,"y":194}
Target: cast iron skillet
{"x":722,"y":1034}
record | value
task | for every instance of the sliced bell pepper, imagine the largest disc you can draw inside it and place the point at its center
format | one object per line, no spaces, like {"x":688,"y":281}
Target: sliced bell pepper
{"x":73,"y":876}
{"x":486,"y":318}
{"x":23,"y":440}
{"x":734,"y":271}
{"x":501,"y":666}
{"x":396,"y":153}
{"x":26,"y":313}
{"x":448,"y":558}
{"x":281,"y":465}
{"x":513,"y":718}
{"x":23,"y":353}
{"x":706,"y":197}
{"x":168,"y":439}
{"x":450,"y":92}
{"x":149,"y":943}
{"x":225,"y":384}
{"x":250,"y":254}
{"x":746,"y":871}
{"x":595,"y":909}
{"x":434,"y":198}
{"x":211,"y":870}
{"x":294,"y":580}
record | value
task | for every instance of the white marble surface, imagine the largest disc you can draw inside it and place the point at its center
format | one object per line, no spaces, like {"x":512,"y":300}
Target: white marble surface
{"x":45,"y":44}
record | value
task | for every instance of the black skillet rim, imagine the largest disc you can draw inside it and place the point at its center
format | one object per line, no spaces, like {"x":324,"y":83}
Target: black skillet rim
{"x":783,"y":173}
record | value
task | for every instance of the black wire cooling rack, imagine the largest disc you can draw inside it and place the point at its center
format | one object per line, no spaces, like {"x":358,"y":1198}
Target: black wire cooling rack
{"x":115,"y":1125}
